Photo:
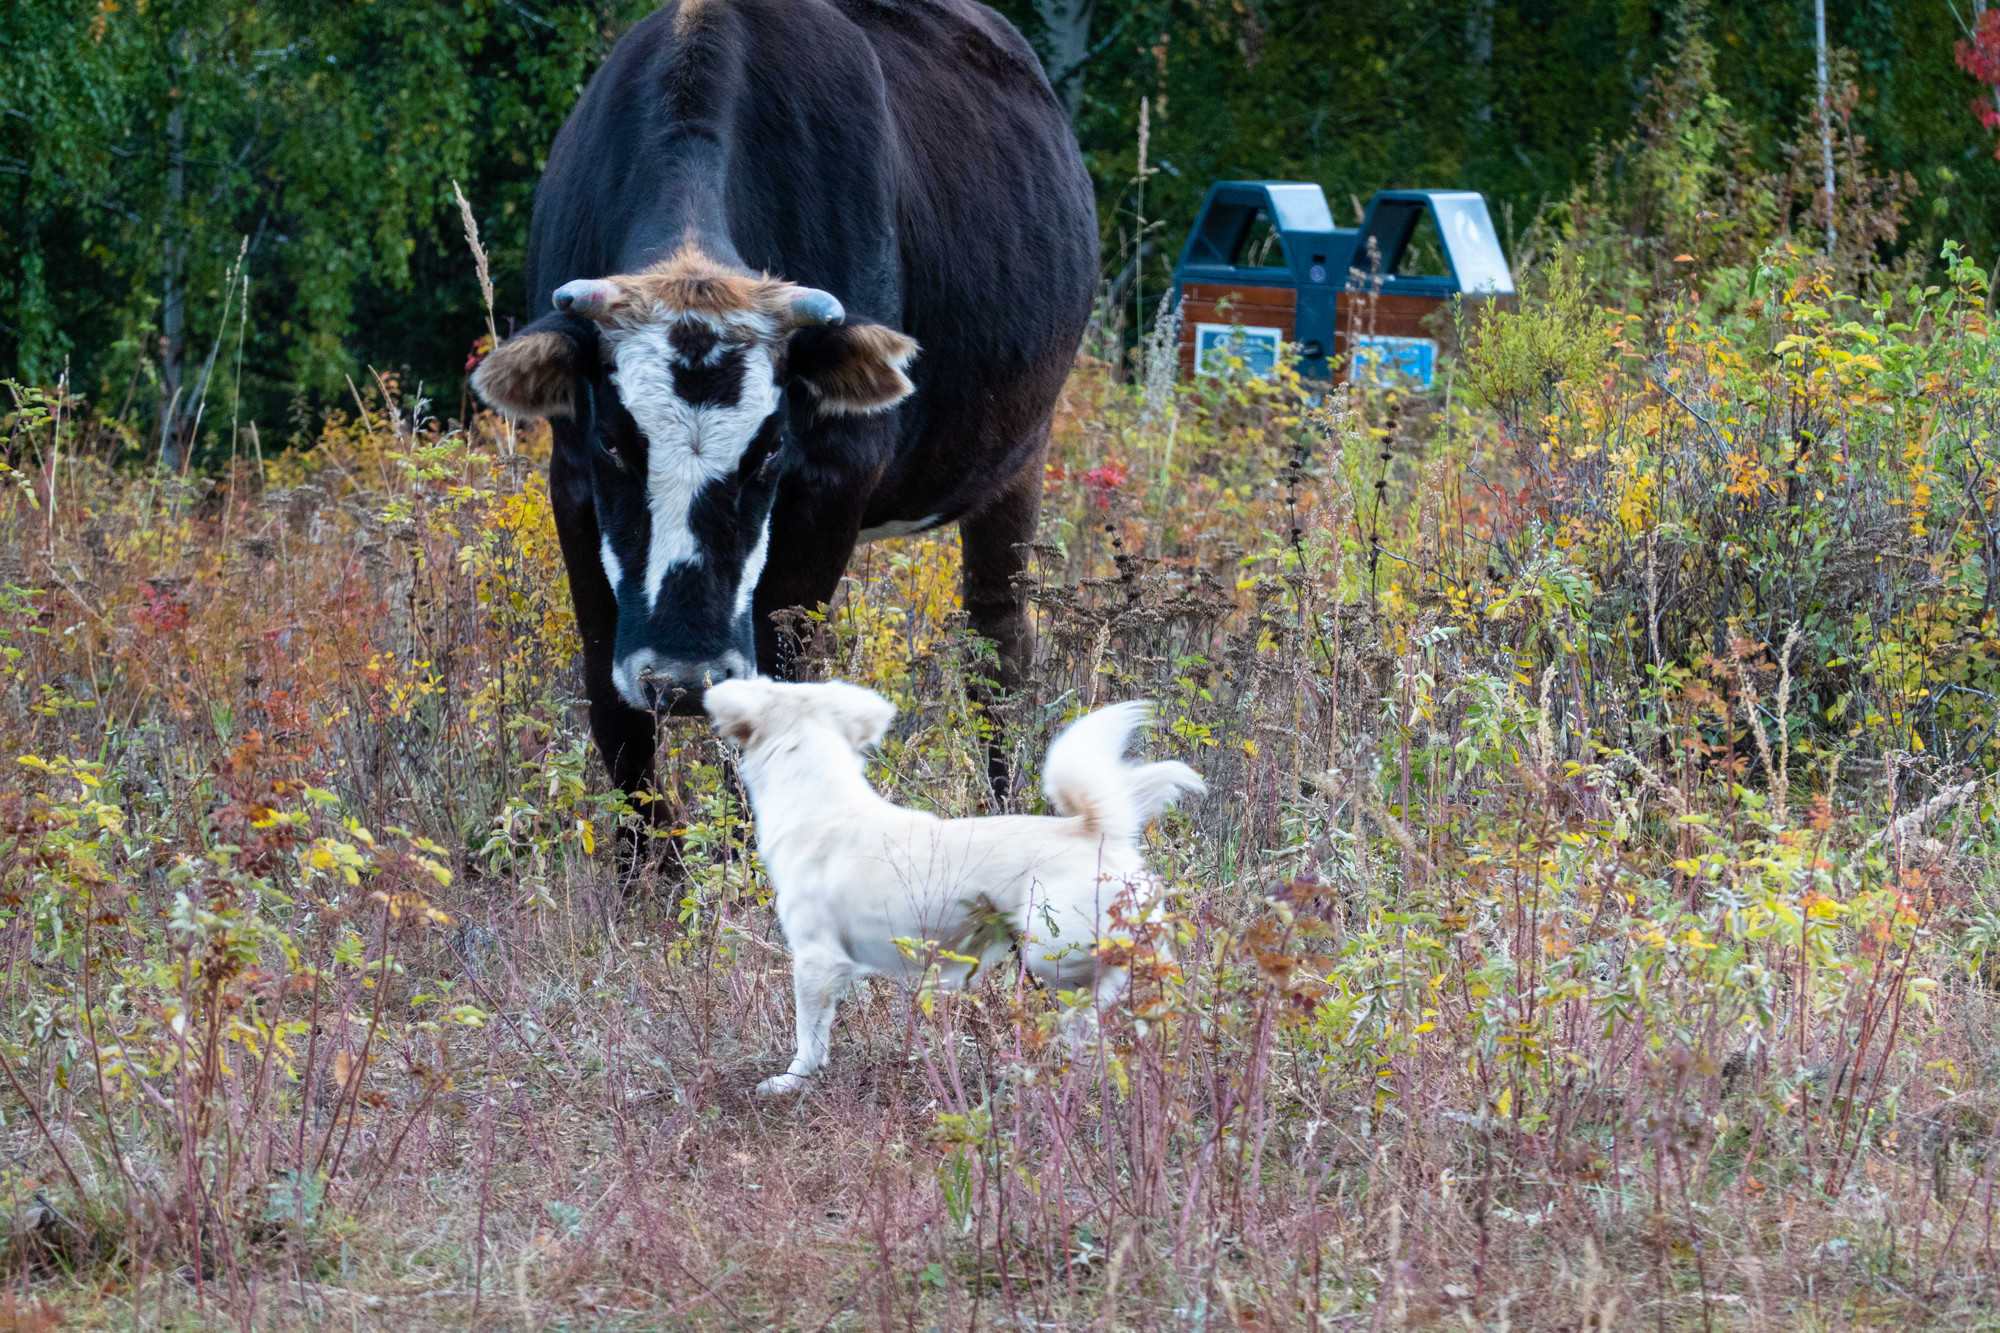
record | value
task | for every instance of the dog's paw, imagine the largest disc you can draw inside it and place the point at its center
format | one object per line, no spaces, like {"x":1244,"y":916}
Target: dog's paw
{"x":782,"y":1084}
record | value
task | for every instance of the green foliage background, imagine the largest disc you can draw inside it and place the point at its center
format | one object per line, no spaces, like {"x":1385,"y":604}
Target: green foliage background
{"x":329,"y":136}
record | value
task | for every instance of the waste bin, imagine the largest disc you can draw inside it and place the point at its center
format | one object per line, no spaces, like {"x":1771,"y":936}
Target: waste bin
{"x":1264,"y":266}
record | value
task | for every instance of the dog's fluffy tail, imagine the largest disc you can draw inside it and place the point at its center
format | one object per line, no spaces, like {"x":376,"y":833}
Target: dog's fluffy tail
{"x":1087,"y":776}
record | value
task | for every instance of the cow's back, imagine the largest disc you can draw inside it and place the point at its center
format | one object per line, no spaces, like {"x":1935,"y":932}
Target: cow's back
{"x":759,"y":126}
{"x":998,"y":232}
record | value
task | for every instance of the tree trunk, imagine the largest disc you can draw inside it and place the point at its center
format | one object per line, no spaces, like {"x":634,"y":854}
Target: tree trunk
{"x":1978,"y":13}
{"x":1479,"y":59}
{"x":1067,"y":23}
{"x":1825,"y":119}
{"x":173,"y":313}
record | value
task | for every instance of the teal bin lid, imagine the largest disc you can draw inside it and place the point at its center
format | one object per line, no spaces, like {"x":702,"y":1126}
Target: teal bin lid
{"x":1316,"y":253}
{"x":1466,"y":229}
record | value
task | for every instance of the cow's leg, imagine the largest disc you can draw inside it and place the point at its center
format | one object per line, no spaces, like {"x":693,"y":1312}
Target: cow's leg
{"x":813,"y":527}
{"x":994,"y":540}
{"x":624,"y":734}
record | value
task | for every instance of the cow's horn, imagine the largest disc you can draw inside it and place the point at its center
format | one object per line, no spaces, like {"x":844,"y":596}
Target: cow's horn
{"x":810,"y":305}
{"x":586,"y":296}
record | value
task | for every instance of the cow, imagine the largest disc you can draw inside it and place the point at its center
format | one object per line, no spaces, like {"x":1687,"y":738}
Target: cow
{"x":815,"y":273}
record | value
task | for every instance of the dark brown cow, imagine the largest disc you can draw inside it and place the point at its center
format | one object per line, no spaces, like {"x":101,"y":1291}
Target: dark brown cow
{"x":818,"y":270}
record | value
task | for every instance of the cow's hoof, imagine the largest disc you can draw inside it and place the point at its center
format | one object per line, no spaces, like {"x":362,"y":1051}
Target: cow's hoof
{"x":783,"y":1084}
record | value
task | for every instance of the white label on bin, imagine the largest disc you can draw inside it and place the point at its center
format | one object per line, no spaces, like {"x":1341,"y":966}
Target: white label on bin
{"x":1215,"y":345}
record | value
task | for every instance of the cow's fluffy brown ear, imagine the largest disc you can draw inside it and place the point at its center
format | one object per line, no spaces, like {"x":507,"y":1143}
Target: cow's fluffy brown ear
{"x":854,"y":368}
{"x":533,"y":374}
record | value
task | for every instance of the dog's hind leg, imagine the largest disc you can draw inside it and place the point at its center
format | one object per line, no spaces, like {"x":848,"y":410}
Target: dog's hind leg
{"x":818,"y":977}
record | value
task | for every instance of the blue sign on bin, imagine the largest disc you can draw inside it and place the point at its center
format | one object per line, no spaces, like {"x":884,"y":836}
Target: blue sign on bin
{"x":1257,"y":348}
{"x":1393,"y":361}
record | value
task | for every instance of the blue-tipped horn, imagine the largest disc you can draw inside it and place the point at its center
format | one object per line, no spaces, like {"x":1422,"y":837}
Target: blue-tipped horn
{"x":810,"y":305}
{"x":589,"y":297}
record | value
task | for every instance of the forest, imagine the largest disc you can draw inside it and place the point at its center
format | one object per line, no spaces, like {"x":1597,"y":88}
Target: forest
{"x":1592,"y":920}
{"x":158,"y":151}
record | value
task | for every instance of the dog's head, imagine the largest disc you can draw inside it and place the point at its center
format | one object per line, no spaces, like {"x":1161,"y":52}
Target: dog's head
{"x":759,"y":714}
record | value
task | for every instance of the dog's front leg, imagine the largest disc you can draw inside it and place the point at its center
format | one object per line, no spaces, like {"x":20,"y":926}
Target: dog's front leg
{"x":817,"y":979}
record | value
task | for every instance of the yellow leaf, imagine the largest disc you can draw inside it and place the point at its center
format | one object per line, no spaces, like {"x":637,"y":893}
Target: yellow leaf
{"x":1505,"y":1104}
{"x":589,"y":837}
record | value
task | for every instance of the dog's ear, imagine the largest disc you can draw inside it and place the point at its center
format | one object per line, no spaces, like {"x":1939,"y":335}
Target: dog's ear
{"x":738,"y":707}
{"x":860,"y":715}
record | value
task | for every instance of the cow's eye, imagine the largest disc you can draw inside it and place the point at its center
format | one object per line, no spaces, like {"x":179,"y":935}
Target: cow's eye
{"x":610,"y":449}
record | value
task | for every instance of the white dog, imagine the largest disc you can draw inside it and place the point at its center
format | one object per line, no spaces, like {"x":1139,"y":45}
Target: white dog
{"x":855,"y":874}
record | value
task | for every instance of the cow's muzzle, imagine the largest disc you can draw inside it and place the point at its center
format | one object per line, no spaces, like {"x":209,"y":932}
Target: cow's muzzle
{"x":649,"y":680}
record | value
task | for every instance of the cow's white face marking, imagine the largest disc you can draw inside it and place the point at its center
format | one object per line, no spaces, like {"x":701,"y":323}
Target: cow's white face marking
{"x":612,"y":569}
{"x":689,"y":445}
{"x":753,"y":569}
